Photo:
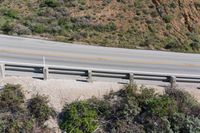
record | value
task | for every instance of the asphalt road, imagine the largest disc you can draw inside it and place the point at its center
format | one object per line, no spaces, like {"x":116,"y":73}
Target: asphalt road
{"x":24,"y":50}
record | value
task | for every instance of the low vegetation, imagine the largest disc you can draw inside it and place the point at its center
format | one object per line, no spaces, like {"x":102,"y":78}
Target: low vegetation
{"x":79,"y":117}
{"x":39,"y":108}
{"x":132,"y":109}
{"x":20,"y":116}
{"x":171,"y":25}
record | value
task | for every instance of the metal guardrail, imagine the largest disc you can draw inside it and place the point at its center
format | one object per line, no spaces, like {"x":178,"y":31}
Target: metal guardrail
{"x":90,"y":73}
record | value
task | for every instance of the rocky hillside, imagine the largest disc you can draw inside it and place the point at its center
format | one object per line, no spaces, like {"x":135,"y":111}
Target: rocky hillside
{"x":147,"y":24}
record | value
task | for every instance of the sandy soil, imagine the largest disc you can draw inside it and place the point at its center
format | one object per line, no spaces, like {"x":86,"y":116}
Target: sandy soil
{"x":62,"y":91}
{"x":65,"y":91}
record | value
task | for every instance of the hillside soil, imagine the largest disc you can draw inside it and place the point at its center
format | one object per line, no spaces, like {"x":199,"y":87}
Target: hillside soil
{"x":172,"y":25}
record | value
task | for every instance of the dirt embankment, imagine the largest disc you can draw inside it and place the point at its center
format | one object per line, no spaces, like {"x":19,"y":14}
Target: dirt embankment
{"x":172,"y":25}
{"x":66,"y":91}
{"x":62,"y":91}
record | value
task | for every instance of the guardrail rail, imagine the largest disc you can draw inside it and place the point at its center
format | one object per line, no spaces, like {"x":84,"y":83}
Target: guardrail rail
{"x":44,"y":71}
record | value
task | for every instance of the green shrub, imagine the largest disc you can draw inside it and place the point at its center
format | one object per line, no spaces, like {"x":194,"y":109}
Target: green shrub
{"x":134,"y":109}
{"x":167,"y":18}
{"x":121,"y":1}
{"x":79,"y":117}
{"x":104,"y":28}
{"x":103,"y":107}
{"x":145,"y":94}
{"x":195,"y":46}
{"x":14,"y":114}
{"x":162,"y":106}
{"x":185,"y":102}
{"x":21,"y":29}
{"x":51,"y":3}
{"x":127,"y":108}
{"x":11,"y":13}
{"x":112,"y":29}
{"x":2,"y":126}
{"x":172,"y":5}
{"x":171,"y":44}
{"x":11,"y":98}
{"x":155,"y":124}
{"x":19,"y":124}
{"x":66,"y":23}
{"x":38,"y":28}
{"x":185,"y":124}
{"x":110,"y":26}
{"x":39,"y":108}
{"x":7,"y":27}
{"x":129,"y":105}
{"x":122,"y":107}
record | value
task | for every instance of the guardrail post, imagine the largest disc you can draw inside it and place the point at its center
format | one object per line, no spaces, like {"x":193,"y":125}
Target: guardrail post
{"x":173,"y":82}
{"x":89,"y":79}
{"x":45,"y":73}
{"x":2,"y":70}
{"x":131,"y":78}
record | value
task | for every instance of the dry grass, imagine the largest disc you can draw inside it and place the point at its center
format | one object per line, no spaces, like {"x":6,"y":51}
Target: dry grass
{"x":148,"y":24}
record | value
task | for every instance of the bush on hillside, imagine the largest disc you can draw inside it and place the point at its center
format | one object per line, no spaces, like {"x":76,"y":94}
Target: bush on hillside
{"x":38,"y":28}
{"x":14,"y":114}
{"x":79,"y":117}
{"x":50,"y":3}
{"x":7,"y":27}
{"x":21,"y":29}
{"x":162,"y":106}
{"x":39,"y":108}
{"x":185,"y":102}
{"x":167,"y":18}
{"x":11,"y":13}
{"x":11,"y":98}
{"x":143,"y":24}
{"x":135,"y":109}
{"x":195,"y":46}
{"x":181,"y":122}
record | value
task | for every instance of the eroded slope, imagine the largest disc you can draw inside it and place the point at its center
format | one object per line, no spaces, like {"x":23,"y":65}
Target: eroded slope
{"x":152,"y":24}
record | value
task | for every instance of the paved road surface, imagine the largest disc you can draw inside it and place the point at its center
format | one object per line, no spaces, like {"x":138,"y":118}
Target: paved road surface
{"x":26,"y":50}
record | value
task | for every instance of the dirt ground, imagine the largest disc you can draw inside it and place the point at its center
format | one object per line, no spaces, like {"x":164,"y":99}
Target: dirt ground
{"x":62,"y":91}
{"x":65,"y":91}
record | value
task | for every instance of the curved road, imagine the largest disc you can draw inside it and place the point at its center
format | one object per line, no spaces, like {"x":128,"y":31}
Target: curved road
{"x":25,"y":50}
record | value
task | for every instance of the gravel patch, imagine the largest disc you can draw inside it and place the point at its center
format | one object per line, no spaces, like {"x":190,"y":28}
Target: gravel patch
{"x":62,"y":91}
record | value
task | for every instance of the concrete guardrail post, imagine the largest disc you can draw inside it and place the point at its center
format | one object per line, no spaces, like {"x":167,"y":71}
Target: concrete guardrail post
{"x":173,"y":82}
{"x":89,"y":79}
{"x":2,"y":70}
{"x":45,"y":73}
{"x":131,"y":78}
